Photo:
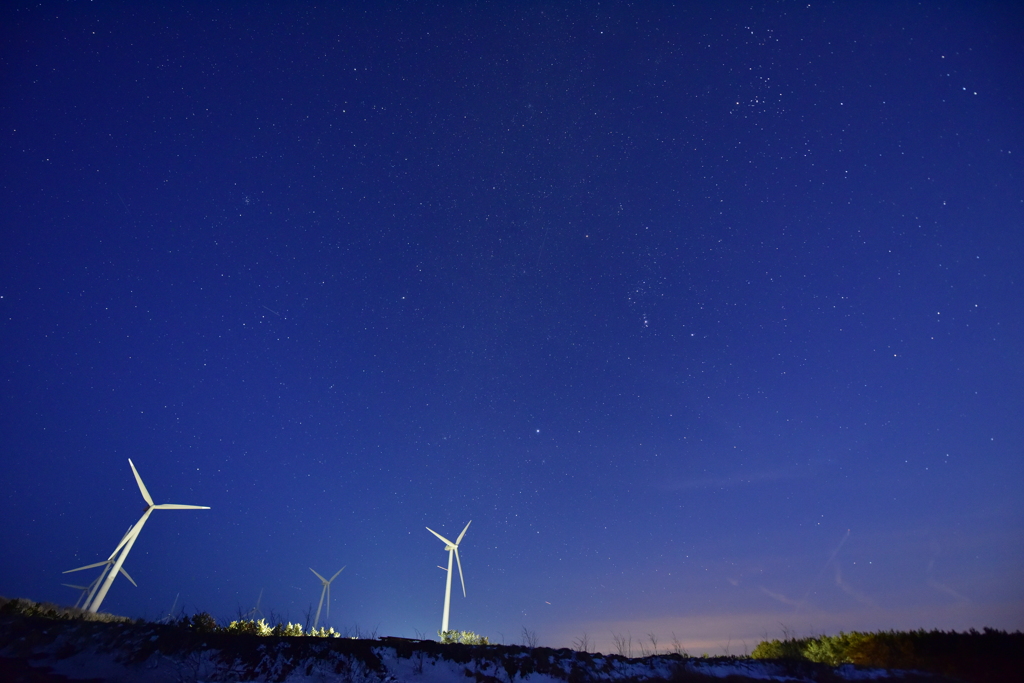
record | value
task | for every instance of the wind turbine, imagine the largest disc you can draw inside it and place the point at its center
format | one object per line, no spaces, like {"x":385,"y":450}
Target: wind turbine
{"x":256,"y":610}
{"x":84,"y":589}
{"x":326,"y":591}
{"x":170,"y":615}
{"x":453,"y":549}
{"x":125,"y":546}
{"x":93,"y":586}
{"x":90,"y":590}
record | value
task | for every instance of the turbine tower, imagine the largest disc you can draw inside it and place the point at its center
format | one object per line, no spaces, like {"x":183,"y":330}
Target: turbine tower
{"x":326,"y":591}
{"x":453,"y":549}
{"x":125,"y":546}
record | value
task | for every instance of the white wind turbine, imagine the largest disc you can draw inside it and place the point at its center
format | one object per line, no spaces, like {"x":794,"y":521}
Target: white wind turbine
{"x":125,"y":546}
{"x":453,"y":549}
{"x":256,"y":610}
{"x":326,"y":591}
{"x":90,"y":590}
{"x":170,"y":615}
{"x":84,"y":589}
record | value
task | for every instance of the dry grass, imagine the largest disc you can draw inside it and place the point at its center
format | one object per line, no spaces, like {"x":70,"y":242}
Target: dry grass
{"x":48,"y":610}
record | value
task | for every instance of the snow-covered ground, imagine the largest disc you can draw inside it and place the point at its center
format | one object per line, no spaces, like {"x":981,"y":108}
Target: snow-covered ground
{"x":207,"y":665}
{"x":150,"y":653}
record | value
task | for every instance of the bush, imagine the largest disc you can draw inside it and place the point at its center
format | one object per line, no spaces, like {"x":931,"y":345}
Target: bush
{"x":289,"y":630}
{"x":250,"y":627}
{"x":200,"y":623}
{"x":323,"y":633}
{"x":462,"y":638}
{"x":978,"y":657}
{"x":779,"y":649}
{"x":830,"y":650}
{"x":833,"y":650}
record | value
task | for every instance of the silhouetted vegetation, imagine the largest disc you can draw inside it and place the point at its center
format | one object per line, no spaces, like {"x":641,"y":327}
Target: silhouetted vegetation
{"x":990,"y":655}
{"x":232,"y":652}
{"x":203,"y":622}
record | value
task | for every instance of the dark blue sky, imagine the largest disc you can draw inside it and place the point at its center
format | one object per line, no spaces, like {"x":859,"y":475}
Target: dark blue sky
{"x":710,"y":318}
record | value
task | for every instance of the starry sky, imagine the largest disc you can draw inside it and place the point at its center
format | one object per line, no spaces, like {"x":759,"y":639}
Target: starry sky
{"x":709,"y":317}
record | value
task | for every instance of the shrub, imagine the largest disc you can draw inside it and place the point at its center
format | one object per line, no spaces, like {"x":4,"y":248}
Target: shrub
{"x":833,"y":650}
{"x":250,"y":627}
{"x":324,"y":633}
{"x":790,"y":648}
{"x":462,"y":638}
{"x":200,"y":623}
{"x":986,"y":657}
{"x":289,"y":630}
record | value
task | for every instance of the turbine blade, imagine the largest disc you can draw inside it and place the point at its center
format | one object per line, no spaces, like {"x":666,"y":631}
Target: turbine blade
{"x":459,"y":562}
{"x":172,"y":506}
{"x":142,"y":487}
{"x":318,"y":576}
{"x":81,"y":588}
{"x":447,"y":542}
{"x":129,"y":578}
{"x":459,"y":540}
{"x":336,"y":573}
{"x":88,"y":566}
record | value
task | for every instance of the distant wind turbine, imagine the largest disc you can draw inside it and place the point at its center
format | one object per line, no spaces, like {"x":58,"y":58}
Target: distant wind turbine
{"x":256,"y":610}
{"x":170,"y":615}
{"x":90,"y":590}
{"x":94,"y":585}
{"x":125,"y":546}
{"x":84,"y":589}
{"x":326,"y":591}
{"x":453,"y":549}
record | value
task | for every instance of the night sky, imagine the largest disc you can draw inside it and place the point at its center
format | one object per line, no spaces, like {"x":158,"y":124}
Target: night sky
{"x":709,"y":317}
